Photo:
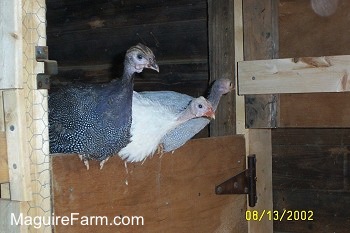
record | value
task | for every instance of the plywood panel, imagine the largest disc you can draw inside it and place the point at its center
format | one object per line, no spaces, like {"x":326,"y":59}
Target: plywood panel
{"x":174,"y":193}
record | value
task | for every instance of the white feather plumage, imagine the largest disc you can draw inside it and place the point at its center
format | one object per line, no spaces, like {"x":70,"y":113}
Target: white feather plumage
{"x":150,"y":122}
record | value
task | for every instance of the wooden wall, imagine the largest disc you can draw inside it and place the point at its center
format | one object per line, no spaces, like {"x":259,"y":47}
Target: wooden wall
{"x":310,"y":166}
{"x":89,"y":38}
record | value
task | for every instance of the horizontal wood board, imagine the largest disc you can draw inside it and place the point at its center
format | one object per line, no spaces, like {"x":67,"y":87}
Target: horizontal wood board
{"x":174,"y":193}
{"x":294,"y":75}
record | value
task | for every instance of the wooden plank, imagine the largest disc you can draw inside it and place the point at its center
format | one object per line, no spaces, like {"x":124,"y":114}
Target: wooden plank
{"x":329,"y":208}
{"x":4,"y":170}
{"x":17,"y":151}
{"x":8,"y":209}
{"x":5,"y":191}
{"x":221,"y":58}
{"x":174,"y":193}
{"x":320,"y":35}
{"x":294,"y":75}
{"x":310,"y":159}
{"x":2,"y":114}
{"x":324,"y":110}
{"x":260,"y":24}
{"x":10,"y":44}
{"x":260,"y":144}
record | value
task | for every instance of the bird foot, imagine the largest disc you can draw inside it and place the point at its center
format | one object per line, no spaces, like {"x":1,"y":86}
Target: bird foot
{"x":85,"y":161}
{"x":160,"y":149}
{"x":102,"y":163}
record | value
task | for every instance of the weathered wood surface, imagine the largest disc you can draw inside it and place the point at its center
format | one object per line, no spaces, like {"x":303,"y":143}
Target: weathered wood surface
{"x":17,"y":147}
{"x":98,"y":35}
{"x":9,"y":208}
{"x":329,"y":110}
{"x":260,"y":24}
{"x":294,"y":75}
{"x":4,"y":170}
{"x":304,"y":33}
{"x":221,"y":58}
{"x":10,"y":44}
{"x":174,"y":193}
{"x":311,"y":172}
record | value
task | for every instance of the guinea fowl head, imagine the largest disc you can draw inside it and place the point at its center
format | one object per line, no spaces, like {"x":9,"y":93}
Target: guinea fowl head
{"x":139,"y":57}
{"x":198,"y":107}
{"x":223,"y":86}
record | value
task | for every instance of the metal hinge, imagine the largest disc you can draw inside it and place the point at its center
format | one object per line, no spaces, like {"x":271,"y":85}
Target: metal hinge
{"x":50,"y":67}
{"x":243,"y":183}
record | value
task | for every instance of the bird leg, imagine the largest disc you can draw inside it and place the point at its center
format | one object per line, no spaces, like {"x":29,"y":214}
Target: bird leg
{"x":86,"y":162}
{"x":160,"y":149}
{"x":102,"y":163}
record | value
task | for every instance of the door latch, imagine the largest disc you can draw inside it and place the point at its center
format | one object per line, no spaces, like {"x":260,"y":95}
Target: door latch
{"x":50,"y":67}
{"x":242,"y":183}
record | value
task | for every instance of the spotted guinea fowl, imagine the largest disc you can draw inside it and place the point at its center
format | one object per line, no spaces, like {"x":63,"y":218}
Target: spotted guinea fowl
{"x":94,"y":120}
{"x":185,"y":131}
{"x":151,"y":121}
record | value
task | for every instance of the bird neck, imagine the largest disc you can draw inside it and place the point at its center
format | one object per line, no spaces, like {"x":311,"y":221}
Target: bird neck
{"x":129,"y":70}
{"x":214,"y":98}
{"x":185,"y":116}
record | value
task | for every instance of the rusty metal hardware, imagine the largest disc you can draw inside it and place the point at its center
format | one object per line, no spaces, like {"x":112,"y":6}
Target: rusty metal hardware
{"x":50,"y":67}
{"x":242,"y":183}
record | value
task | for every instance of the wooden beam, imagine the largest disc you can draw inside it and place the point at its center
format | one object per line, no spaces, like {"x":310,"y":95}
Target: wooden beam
{"x":10,"y":44}
{"x":260,"y":23}
{"x":17,"y":151}
{"x":221,"y":60}
{"x":294,"y":75}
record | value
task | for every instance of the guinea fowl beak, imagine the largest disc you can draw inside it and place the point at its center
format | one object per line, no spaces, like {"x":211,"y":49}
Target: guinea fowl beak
{"x":210,"y":114}
{"x":153,"y":66}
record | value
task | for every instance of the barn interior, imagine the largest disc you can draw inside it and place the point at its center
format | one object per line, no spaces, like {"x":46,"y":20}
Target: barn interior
{"x":301,"y":140}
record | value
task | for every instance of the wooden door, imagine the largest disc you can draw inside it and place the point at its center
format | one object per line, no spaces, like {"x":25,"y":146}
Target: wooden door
{"x":173,"y":193}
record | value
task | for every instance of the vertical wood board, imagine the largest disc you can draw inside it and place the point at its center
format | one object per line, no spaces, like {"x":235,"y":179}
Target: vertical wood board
{"x":9,"y":208}
{"x":17,"y":147}
{"x":174,"y":193}
{"x":10,"y":44}
{"x":221,"y":61}
{"x":260,"y":24}
{"x":4,"y":170}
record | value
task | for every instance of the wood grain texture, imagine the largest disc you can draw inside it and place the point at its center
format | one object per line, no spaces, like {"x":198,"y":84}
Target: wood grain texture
{"x":294,"y":75}
{"x":4,"y":170}
{"x":221,"y":60}
{"x":17,"y":147}
{"x":327,"y":110}
{"x":11,"y":44}
{"x":174,"y":193}
{"x":311,"y":172}
{"x":260,"y":24}
{"x":8,"y":208}
{"x":304,"y":33}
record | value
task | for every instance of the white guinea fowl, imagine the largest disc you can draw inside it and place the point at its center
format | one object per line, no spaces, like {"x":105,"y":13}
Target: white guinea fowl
{"x":152,"y":120}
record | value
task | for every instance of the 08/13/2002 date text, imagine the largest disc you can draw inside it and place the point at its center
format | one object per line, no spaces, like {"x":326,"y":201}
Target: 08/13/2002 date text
{"x":276,"y":215}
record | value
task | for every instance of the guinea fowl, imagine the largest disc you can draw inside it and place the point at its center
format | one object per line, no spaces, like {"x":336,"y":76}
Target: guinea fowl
{"x":94,"y":120}
{"x":185,"y":131}
{"x":151,"y":121}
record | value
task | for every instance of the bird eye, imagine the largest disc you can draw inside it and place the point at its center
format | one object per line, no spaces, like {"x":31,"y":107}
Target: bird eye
{"x":139,"y":56}
{"x":200,"y":106}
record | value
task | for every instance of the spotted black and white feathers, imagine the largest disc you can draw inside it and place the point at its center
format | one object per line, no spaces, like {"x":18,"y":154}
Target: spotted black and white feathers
{"x":94,"y":120}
